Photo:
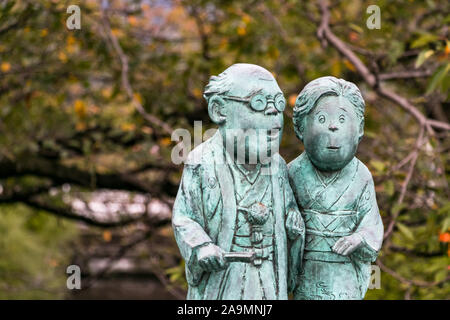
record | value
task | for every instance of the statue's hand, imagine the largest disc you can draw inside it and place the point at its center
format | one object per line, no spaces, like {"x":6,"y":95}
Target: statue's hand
{"x":294,"y":224}
{"x":210,"y":258}
{"x":348,"y":244}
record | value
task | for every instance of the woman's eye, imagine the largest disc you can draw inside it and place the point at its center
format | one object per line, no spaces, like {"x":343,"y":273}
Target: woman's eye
{"x":341,"y":119}
{"x":321,"y":118}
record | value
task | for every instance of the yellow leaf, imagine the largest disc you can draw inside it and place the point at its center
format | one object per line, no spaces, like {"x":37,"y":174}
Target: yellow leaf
{"x":336,"y":68}
{"x":44,"y":33}
{"x":80,"y":126}
{"x":246,"y":18}
{"x":62,"y":56}
{"x":80,"y":108}
{"x":197,"y":93}
{"x":223,"y":43}
{"x":128,"y":126}
{"x":165,"y":141}
{"x":106,"y":92}
{"x":5,"y":66}
{"x":349,"y":65}
{"x":116,"y":32}
{"x":71,"y":40}
{"x":241,"y":31}
{"x":138,"y":97}
{"x":107,"y":236}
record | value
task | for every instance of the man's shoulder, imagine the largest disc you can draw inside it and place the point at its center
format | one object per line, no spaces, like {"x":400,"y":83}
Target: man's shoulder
{"x":203,"y":154}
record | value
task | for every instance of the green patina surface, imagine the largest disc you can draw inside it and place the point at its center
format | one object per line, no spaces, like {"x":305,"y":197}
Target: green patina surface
{"x":335,"y":193}
{"x":236,"y":219}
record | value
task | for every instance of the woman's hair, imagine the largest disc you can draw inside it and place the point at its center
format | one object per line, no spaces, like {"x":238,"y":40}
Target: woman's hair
{"x":321,"y":87}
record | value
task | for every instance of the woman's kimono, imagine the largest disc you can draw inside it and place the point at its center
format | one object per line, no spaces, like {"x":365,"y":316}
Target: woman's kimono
{"x":334,"y":207}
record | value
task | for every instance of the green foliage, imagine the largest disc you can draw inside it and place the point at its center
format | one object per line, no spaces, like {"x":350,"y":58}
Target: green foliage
{"x":33,"y":253}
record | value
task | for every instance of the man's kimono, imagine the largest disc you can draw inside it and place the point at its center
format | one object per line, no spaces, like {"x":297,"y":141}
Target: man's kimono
{"x":334,"y":207}
{"x":208,"y":209}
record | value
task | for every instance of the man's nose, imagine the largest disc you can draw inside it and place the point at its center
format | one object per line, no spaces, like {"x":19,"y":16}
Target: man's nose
{"x":271,"y":110}
{"x":332,"y":127}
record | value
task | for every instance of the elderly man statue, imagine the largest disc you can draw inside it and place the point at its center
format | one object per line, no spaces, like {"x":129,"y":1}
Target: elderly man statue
{"x":235,"y":212}
{"x":335,"y":192}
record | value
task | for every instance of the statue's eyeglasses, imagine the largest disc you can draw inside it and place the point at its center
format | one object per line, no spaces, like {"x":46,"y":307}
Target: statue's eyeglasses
{"x":259,"y":102}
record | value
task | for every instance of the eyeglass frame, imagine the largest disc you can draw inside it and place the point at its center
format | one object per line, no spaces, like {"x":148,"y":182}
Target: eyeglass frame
{"x":251,"y":97}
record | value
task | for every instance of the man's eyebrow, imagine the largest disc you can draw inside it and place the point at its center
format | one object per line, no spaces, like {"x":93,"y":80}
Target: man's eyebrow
{"x":343,"y":109}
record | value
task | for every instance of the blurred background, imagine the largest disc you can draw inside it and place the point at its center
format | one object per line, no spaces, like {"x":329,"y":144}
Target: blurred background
{"x":86,"y":117}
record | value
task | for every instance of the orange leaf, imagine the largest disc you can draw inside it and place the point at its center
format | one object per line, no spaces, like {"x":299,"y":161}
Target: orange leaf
{"x":5,"y":66}
{"x":80,"y":108}
{"x":292,"y":99}
{"x":107,"y":236}
{"x":444,"y":237}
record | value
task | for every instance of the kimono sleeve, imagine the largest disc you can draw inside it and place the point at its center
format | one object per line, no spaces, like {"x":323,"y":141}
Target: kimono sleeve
{"x":371,"y":226}
{"x":188,"y":221}
{"x":296,"y":245}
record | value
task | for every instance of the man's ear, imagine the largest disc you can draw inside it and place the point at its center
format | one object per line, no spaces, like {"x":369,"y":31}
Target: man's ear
{"x":216,"y":109}
{"x":301,"y":129}
{"x":361,"y":130}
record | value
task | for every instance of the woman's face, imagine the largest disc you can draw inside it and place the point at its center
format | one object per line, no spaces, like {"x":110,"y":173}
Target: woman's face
{"x":332,"y":132}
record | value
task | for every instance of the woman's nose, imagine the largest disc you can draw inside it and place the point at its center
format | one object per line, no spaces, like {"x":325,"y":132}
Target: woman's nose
{"x":332,"y":127}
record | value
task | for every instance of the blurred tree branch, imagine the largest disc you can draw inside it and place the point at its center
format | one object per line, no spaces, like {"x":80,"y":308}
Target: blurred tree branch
{"x":325,"y":34}
{"x":153,"y":120}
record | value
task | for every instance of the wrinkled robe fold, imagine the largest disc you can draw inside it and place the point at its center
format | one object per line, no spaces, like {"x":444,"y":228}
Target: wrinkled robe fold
{"x":205,"y":212}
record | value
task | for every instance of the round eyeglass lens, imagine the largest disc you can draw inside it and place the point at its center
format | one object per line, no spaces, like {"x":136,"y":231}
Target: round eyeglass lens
{"x":258,"y":102}
{"x":280,"y":103}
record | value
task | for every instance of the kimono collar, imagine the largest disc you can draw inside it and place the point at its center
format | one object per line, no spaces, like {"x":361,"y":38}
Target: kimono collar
{"x":250,"y":175}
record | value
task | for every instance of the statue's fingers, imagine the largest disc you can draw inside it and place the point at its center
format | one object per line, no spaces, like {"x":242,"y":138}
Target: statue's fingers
{"x":338,"y":244}
{"x":348,"y":250}
{"x":202,"y":263}
{"x":215,"y":264}
{"x":222,"y":262}
{"x":342,"y":247}
{"x":208,"y":265}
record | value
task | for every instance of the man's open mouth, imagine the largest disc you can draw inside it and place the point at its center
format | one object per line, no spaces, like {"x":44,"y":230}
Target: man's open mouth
{"x":333,"y":148}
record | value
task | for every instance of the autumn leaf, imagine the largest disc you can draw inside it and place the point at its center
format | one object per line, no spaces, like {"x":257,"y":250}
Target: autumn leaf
{"x":80,"y":108}
{"x":241,"y":30}
{"x":107,"y":236}
{"x":292,"y":99}
{"x":5,"y":66}
{"x":444,"y":237}
{"x":349,"y":65}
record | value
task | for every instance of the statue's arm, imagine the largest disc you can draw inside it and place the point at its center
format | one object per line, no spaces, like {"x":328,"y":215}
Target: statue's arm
{"x":295,"y":227}
{"x":188,"y":219}
{"x":370,"y":229}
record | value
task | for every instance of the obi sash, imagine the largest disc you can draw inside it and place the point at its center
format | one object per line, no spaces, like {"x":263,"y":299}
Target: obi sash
{"x":323,"y":229}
